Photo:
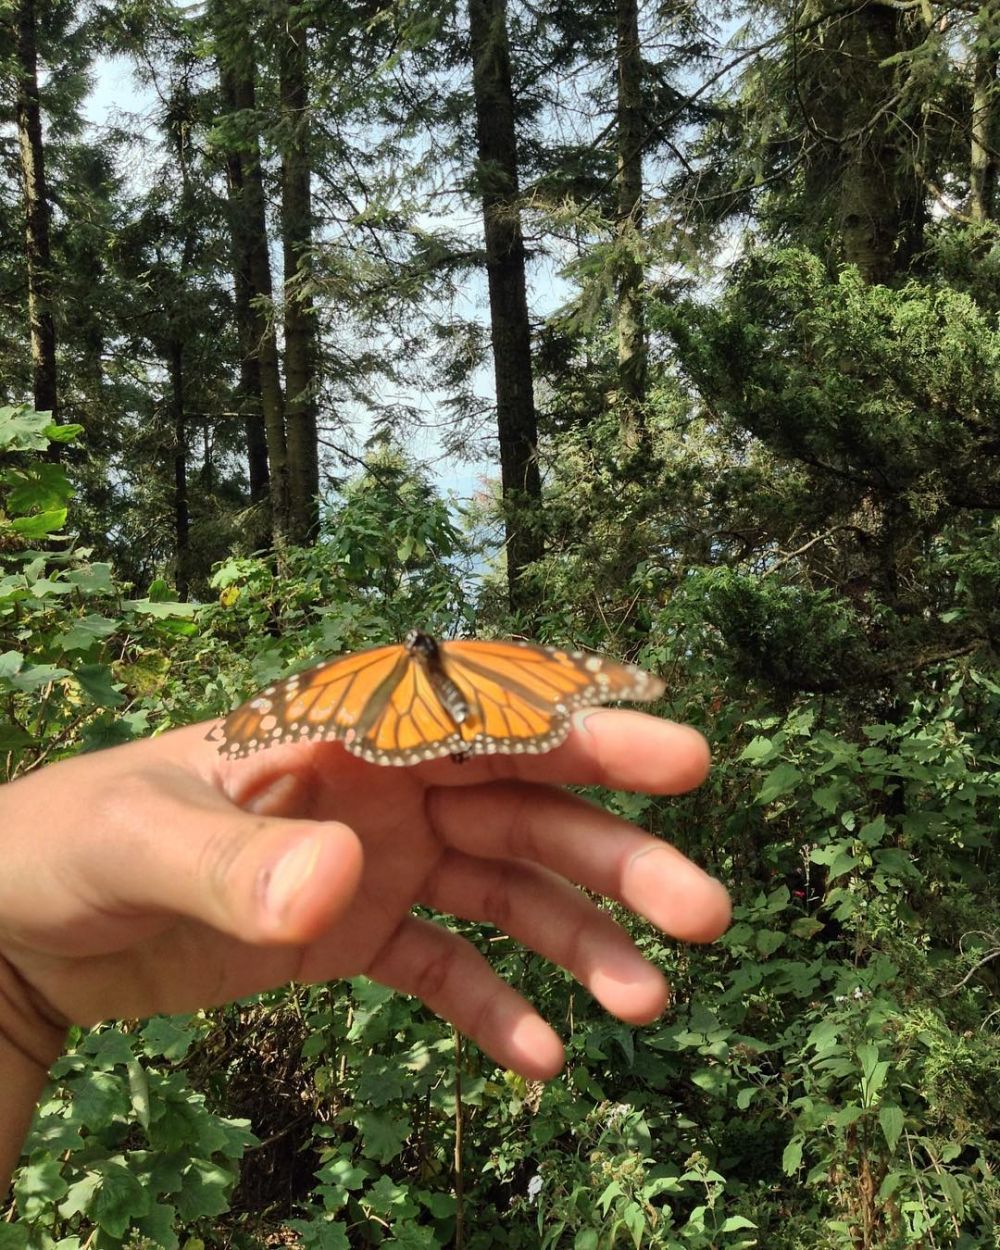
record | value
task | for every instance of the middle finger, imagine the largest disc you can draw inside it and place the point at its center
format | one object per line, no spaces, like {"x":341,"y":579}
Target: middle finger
{"x":585,"y":844}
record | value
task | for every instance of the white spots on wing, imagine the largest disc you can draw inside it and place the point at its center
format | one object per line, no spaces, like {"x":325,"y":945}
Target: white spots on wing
{"x":599,"y":680}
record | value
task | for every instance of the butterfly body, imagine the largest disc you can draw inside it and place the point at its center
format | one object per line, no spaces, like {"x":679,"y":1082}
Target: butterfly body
{"x":424,"y":700}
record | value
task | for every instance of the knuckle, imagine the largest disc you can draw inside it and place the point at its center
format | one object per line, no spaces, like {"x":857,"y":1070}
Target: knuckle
{"x":432,"y":978}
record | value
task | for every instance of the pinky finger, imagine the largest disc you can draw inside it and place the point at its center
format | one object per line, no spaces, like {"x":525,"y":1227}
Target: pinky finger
{"x":458,"y":984}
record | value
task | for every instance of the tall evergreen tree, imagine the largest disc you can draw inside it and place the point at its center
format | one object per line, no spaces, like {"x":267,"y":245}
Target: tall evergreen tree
{"x":498,"y":185}
{"x":629,"y":141}
{"x":20,"y":22}
{"x":238,"y":132}
{"x":300,"y":325}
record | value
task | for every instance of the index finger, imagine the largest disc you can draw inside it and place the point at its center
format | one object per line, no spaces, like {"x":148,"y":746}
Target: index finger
{"x":614,"y":747}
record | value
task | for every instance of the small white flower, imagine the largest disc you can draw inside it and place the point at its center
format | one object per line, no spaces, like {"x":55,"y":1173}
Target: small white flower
{"x":617,"y":1112}
{"x":534,"y":1187}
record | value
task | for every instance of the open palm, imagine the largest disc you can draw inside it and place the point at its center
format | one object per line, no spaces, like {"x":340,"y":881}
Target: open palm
{"x":160,"y":878}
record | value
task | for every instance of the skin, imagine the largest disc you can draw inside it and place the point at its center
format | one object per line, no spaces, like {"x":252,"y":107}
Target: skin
{"x":158,"y":877}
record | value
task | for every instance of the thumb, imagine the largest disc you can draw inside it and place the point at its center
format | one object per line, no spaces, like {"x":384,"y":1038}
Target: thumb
{"x":164,"y":843}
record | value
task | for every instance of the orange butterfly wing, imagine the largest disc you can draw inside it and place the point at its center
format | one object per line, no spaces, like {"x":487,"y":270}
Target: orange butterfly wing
{"x":387,"y":705}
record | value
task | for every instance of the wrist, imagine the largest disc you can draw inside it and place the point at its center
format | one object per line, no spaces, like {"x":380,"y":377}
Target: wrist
{"x":29,"y":1043}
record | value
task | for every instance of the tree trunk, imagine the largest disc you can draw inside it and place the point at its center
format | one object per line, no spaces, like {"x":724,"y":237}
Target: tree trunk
{"x":510,"y":329}
{"x":260,"y":372}
{"x":182,"y":516}
{"x":36,"y":213}
{"x":629,"y":313}
{"x":300,"y":319}
{"x":983,"y":163}
{"x":870,"y":159}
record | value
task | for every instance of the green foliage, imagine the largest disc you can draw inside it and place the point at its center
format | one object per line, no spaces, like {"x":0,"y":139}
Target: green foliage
{"x":82,"y":665}
{"x":122,"y":1147}
{"x":805,"y":545}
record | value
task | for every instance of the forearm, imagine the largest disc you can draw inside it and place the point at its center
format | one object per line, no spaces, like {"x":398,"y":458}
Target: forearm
{"x":28,"y":1045}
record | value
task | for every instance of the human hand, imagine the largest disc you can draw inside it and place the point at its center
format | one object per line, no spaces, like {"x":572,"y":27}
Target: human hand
{"x":159,"y":877}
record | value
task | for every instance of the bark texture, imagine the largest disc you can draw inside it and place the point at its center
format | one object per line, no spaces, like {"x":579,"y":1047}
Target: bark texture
{"x":629,"y":313}
{"x":300,"y":319}
{"x":510,"y":329}
{"x":36,"y":215}
{"x":260,"y":368}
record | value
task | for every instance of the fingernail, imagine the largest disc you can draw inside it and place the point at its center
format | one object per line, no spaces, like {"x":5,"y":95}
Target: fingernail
{"x":579,"y":719}
{"x":289,"y":875}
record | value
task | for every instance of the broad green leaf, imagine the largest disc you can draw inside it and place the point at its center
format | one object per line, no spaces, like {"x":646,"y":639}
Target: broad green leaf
{"x":11,"y":662}
{"x":42,"y":587}
{"x":758,"y":750}
{"x":321,"y":1234}
{"x":828,"y":798}
{"x":768,"y":941}
{"x":414,"y":1237}
{"x":868,"y":1057}
{"x":36,"y":488}
{"x":33,"y":677}
{"x":80,"y":1196}
{"x":952,"y":1190}
{"x":891,"y":1118}
{"x":48,"y":522}
{"x":120,"y":1198}
{"x":93,"y":579}
{"x":842,"y":863}
{"x":846,"y":1116}
{"x":712,"y":1080}
{"x":14,"y":738}
{"x":384,"y":1135}
{"x":169,"y":1036}
{"x":24,"y":430}
{"x":161,"y":591}
{"x":63,"y":433}
{"x":13,"y":1236}
{"x":108,"y":1046}
{"x":138,"y":1085}
{"x":780,"y":781}
{"x":791,"y":1159}
{"x":341,"y":1172}
{"x":97,"y":681}
{"x":441,"y":1206}
{"x":159,"y":1226}
{"x":206,"y":1191}
{"x":159,"y":608}
{"x":635,"y":1221}
{"x":85,"y":631}
{"x":874,"y":1082}
{"x":99,"y":1097}
{"x":873,"y":833}
{"x":39,"y":1185}
{"x":824,"y":1035}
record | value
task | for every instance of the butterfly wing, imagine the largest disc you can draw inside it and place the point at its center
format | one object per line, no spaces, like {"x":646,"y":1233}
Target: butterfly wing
{"x":522,"y":695}
{"x":386,"y":705}
{"x":342,"y":698}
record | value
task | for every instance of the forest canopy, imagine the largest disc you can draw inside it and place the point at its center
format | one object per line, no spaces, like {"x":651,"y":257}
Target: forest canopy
{"x":706,"y":297}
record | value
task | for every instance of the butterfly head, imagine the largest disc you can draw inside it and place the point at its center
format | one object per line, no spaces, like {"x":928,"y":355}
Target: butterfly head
{"x":421,"y":645}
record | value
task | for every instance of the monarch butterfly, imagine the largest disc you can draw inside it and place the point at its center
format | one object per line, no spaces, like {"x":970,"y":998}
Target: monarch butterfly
{"x":424,"y":699}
